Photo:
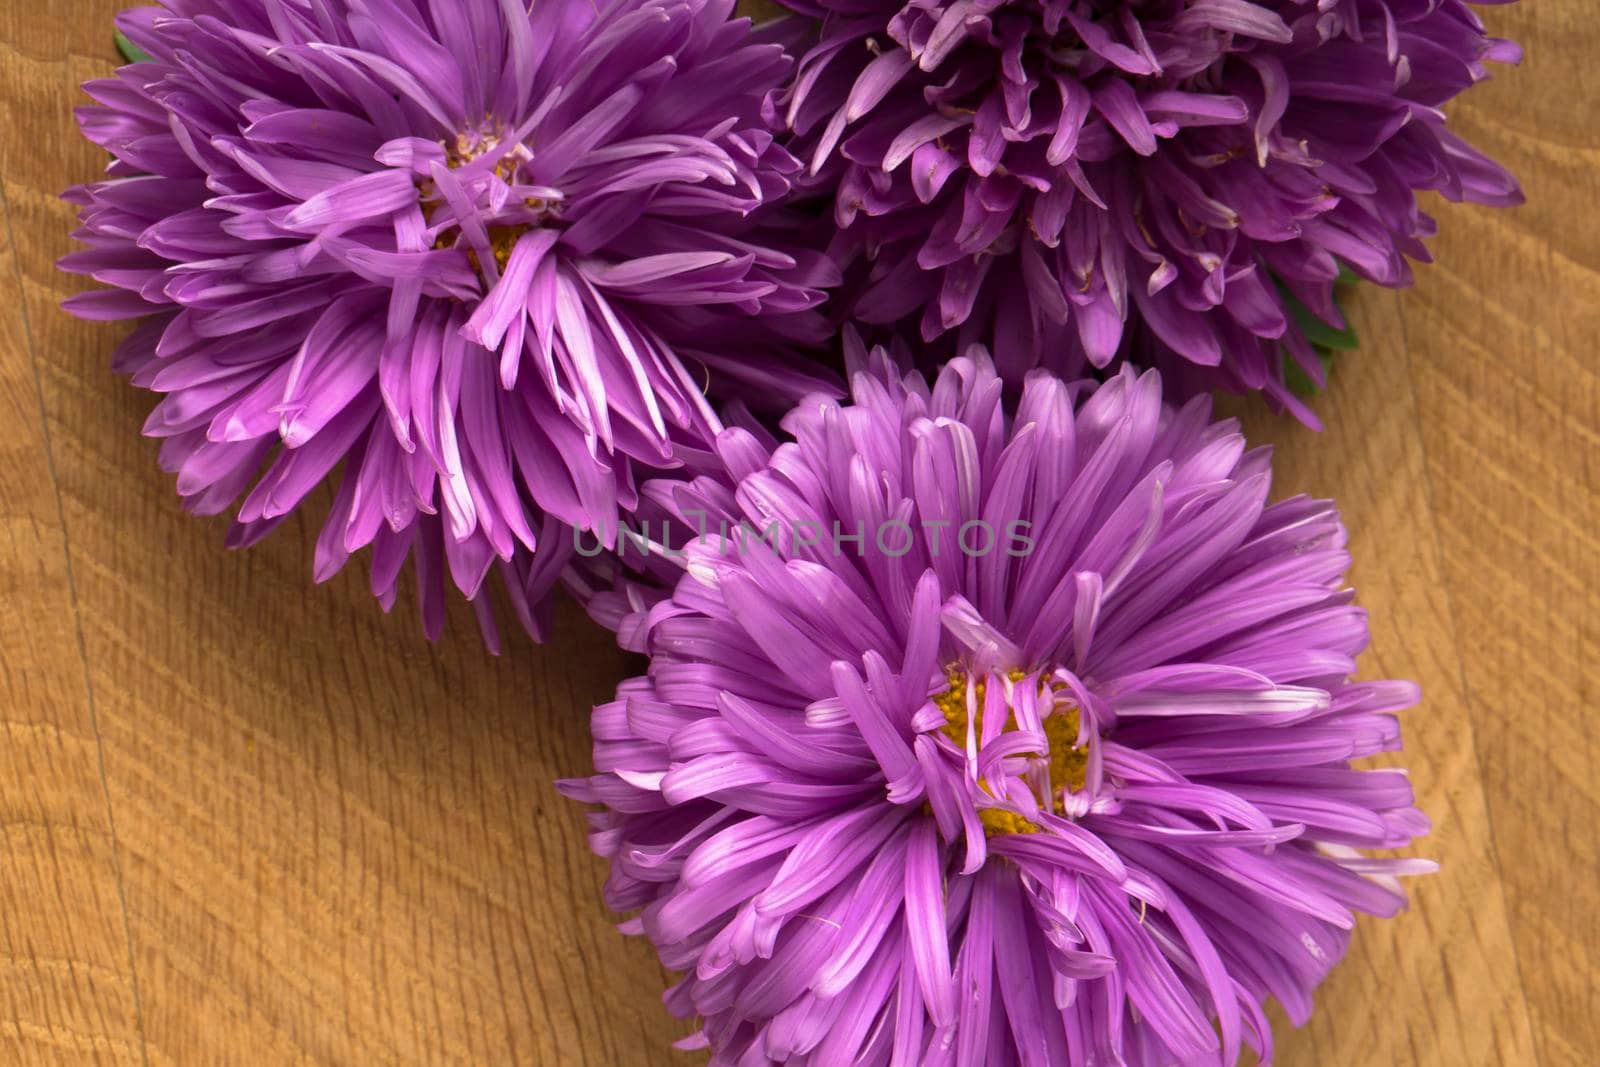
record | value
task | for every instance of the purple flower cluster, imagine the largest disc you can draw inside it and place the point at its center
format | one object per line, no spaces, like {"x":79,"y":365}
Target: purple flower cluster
{"x":486,"y":256}
{"x":1056,"y":764}
{"x":1092,"y":803}
{"x":1076,"y":182}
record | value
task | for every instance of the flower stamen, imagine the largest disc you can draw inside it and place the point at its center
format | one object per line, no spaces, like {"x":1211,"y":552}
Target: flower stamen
{"x":506,"y":226}
{"x":1061,"y":768}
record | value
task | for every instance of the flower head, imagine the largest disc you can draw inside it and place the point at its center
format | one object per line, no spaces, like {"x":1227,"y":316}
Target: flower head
{"x":487,"y":255}
{"x":1052,"y":767}
{"x":1074,"y":182}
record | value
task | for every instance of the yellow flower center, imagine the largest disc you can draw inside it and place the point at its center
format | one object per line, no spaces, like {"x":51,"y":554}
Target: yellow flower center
{"x":503,"y":237}
{"x":1000,"y":821}
{"x":1068,"y":763}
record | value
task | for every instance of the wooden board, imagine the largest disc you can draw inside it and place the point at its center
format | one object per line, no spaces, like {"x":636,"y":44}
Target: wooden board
{"x":245,"y":820}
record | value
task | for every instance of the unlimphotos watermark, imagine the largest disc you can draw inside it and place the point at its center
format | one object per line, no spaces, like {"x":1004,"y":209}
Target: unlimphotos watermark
{"x":892,"y":537}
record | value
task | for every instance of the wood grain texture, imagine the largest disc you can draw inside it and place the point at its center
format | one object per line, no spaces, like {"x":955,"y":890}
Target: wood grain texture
{"x":245,"y":820}
{"x":66,"y":979}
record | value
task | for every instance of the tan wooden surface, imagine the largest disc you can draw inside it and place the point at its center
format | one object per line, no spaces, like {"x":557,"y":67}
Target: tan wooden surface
{"x":245,"y":820}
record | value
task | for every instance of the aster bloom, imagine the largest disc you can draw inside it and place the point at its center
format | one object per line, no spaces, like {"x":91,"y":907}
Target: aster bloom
{"x":1080,"y":792}
{"x":486,"y":255}
{"x":1077,"y":181}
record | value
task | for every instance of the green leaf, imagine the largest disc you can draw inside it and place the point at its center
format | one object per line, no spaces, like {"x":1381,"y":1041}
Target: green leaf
{"x":1321,"y":334}
{"x":130,"y":51}
{"x":1316,"y":331}
{"x":1326,"y":340}
{"x":1295,"y":377}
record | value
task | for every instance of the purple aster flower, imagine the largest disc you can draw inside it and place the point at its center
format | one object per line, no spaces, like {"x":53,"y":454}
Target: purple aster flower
{"x":1074,"y":182}
{"x":486,"y":255}
{"x":1053,"y":767}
